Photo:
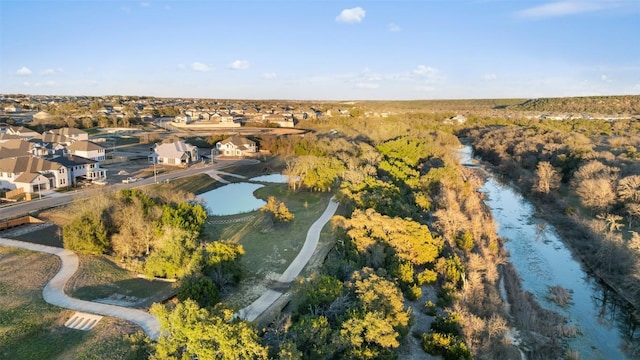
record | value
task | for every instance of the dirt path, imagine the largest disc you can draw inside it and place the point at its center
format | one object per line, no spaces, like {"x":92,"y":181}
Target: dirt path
{"x":54,"y":294}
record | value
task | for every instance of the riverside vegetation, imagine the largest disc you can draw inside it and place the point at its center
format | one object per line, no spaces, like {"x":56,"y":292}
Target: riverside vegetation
{"x":412,"y":227}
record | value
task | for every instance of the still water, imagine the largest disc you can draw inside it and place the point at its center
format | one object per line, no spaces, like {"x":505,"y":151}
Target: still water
{"x":542,"y":260}
{"x":232,"y":199}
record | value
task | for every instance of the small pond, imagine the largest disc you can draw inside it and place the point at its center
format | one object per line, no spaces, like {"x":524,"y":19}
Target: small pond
{"x":272,"y":178}
{"x":232,"y":199}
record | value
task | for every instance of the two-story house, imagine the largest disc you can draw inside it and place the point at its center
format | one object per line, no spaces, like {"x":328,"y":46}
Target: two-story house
{"x":236,"y":146}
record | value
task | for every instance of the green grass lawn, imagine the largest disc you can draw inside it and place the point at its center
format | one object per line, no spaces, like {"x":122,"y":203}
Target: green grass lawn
{"x":269,"y":247}
{"x":32,"y":329}
{"x":98,"y":277}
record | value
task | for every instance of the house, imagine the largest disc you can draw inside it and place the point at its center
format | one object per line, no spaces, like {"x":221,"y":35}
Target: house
{"x":72,"y":134}
{"x":32,"y":174}
{"x":175,"y":153}
{"x":21,"y":131}
{"x":79,"y":168}
{"x":87,"y":149}
{"x":19,"y":147}
{"x":236,"y":146}
{"x":182,"y":119}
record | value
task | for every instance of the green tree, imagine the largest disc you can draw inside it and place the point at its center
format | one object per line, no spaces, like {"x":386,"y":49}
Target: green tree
{"x":199,"y":289}
{"x":191,"y":332}
{"x":86,"y":234}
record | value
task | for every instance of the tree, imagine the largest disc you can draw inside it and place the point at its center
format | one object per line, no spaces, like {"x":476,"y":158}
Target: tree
{"x":596,"y":194}
{"x":368,"y":337}
{"x":174,"y":255}
{"x":86,"y":234}
{"x":547,"y":178}
{"x":199,"y":289}
{"x":278,"y":210}
{"x":191,"y":332}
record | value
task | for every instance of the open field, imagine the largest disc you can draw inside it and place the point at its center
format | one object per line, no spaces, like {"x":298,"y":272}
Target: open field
{"x":269,"y":248}
{"x":33,"y":329}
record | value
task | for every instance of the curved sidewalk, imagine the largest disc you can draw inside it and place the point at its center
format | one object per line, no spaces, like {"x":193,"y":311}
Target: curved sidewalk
{"x":54,"y":294}
{"x":259,"y":306}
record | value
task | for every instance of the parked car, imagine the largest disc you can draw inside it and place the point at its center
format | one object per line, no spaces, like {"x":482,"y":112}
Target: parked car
{"x":100,"y":182}
{"x":130,"y":180}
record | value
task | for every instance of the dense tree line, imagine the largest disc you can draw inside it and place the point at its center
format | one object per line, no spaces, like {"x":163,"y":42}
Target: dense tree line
{"x":413,"y":220}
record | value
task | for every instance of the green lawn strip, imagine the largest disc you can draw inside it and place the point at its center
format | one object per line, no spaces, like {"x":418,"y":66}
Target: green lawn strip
{"x":98,"y":277}
{"x":29,"y":327}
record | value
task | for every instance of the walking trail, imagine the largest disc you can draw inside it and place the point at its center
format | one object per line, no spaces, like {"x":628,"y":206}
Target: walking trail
{"x":54,"y":294}
{"x":259,"y":306}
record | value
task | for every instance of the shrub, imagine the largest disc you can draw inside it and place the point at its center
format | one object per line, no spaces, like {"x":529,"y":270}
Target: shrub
{"x":465,"y":241}
{"x":199,"y":289}
{"x":427,"y":277}
{"x":430,"y":308}
{"x":446,"y":345}
{"x":447,"y":295}
{"x":414,"y":292}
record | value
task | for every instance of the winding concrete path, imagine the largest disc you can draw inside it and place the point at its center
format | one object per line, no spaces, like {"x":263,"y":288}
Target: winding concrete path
{"x":259,"y":306}
{"x":54,"y":294}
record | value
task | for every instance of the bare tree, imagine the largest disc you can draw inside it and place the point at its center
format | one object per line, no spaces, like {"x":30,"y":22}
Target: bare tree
{"x":547,"y":178}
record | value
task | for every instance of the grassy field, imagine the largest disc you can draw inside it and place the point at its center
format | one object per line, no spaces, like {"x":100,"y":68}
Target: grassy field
{"x":98,"y":277}
{"x":33,"y":329}
{"x":269,"y":247}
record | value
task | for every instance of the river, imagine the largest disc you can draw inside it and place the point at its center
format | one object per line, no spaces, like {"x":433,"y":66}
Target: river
{"x":542,"y":260}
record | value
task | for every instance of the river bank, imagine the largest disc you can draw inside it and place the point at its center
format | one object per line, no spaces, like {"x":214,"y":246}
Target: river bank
{"x":542,"y":261}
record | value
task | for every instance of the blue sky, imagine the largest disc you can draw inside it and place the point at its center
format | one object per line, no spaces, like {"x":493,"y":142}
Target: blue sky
{"x":323,"y":50}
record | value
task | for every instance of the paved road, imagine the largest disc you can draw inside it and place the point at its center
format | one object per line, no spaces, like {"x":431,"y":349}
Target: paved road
{"x":259,"y":306}
{"x":56,"y":199}
{"x":54,"y":294}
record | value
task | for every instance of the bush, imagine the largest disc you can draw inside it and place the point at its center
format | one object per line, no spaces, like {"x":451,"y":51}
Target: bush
{"x":447,"y":295}
{"x":414,"y":292}
{"x":427,"y":277}
{"x":465,"y":241}
{"x":87,"y":234}
{"x":430,"y":308}
{"x":449,"y":324}
{"x":199,"y":289}
{"x":446,"y":345}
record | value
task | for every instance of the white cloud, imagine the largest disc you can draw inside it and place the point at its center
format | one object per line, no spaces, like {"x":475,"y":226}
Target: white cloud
{"x":239,"y":65}
{"x":351,"y":16}
{"x":145,"y":4}
{"x":363,"y":85}
{"x":51,"y":71}
{"x":393,"y":27}
{"x":269,"y":75}
{"x":198,"y":66}
{"x":26,"y":83}
{"x":563,"y":8}
{"x":605,"y":78}
{"x":489,"y":77}
{"x":182,"y":66}
{"x":23,"y":71}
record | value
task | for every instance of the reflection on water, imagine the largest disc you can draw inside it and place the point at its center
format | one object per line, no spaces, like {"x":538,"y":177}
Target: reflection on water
{"x":542,"y":260}
{"x":232,"y":199}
